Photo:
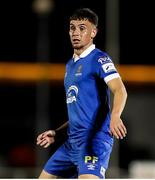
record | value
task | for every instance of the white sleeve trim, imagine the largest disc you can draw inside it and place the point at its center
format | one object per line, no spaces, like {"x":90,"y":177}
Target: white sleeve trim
{"x":110,"y":77}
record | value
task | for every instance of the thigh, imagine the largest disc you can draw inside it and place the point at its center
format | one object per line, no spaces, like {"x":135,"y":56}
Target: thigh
{"x":95,"y":158}
{"x":60,"y":165}
{"x":45,"y":175}
{"x":88,"y":176}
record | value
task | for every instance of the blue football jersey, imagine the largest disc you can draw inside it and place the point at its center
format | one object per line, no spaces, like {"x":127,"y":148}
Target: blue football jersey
{"x":88,"y":96}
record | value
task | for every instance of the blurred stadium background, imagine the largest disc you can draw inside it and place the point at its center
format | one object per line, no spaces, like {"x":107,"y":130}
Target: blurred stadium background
{"x":34,"y":47}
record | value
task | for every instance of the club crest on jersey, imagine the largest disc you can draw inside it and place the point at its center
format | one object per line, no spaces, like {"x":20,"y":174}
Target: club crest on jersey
{"x":71,"y":94}
{"x":104,"y":59}
{"x":79,"y":71}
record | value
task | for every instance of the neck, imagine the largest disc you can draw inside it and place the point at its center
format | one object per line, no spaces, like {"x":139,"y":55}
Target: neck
{"x":82,"y":49}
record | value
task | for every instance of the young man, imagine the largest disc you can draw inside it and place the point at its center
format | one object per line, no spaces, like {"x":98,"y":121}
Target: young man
{"x":90,"y":75}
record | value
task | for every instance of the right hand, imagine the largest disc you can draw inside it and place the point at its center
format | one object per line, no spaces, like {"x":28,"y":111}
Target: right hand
{"x":46,"y":138}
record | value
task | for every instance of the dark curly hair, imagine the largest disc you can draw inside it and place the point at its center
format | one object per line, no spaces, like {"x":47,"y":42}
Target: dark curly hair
{"x":85,"y":14}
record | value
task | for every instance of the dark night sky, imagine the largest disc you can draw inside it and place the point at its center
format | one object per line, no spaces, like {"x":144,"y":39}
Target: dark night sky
{"x":19,"y":28}
{"x":137,"y":32}
{"x":18,"y":32}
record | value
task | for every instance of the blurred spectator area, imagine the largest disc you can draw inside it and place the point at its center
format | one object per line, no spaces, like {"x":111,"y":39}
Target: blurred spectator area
{"x":20,"y":83}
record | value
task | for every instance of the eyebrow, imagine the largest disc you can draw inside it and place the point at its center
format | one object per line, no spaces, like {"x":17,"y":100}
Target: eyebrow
{"x":78,"y":24}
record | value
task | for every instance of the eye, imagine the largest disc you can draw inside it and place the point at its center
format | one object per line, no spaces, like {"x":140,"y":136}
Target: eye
{"x":82,"y":28}
{"x":72,"y":28}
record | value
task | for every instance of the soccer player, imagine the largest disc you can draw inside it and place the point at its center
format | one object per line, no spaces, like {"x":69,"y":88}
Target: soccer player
{"x":92,"y":125}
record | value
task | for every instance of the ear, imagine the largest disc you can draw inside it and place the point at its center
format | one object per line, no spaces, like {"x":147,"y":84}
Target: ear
{"x":93,"y":33}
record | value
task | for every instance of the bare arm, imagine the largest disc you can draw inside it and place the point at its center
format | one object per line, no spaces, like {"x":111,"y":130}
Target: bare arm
{"x":46,"y":138}
{"x":117,"y":127}
{"x":62,"y":126}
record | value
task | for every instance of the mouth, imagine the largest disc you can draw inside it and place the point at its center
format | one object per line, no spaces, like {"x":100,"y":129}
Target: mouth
{"x":75,"y":41}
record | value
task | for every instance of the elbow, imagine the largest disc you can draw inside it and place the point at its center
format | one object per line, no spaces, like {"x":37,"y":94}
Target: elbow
{"x":124,"y":91}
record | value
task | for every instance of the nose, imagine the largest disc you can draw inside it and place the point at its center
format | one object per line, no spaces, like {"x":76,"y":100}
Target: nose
{"x":76,"y":32}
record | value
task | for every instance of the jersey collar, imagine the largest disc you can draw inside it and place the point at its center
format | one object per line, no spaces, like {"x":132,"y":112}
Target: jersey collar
{"x":85,"y":53}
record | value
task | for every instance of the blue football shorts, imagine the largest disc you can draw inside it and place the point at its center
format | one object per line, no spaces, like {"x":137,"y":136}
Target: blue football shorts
{"x":74,"y":159}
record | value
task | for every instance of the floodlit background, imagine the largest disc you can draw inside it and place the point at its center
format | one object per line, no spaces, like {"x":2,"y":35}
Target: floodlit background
{"x":34,"y":48}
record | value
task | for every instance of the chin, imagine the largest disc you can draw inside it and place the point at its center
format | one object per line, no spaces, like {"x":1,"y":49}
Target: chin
{"x":77,"y":46}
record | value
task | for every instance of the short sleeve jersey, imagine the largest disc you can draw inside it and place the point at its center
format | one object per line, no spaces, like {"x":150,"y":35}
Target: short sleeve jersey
{"x":88,"y":96}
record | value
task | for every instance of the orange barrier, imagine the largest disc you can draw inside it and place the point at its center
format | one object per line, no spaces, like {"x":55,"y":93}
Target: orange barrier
{"x":137,"y":73}
{"x":31,"y":72}
{"x":34,"y":72}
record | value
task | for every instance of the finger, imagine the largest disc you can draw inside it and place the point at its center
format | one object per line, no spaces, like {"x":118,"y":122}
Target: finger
{"x":40,"y":141}
{"x":45,"y":134}
{"x":123,"y":126}
{"x":44,"y":142}
{"x":123,"y":132}
{"x":118,"y":132}
{"x":49,"y":142}
{"x":40,"y":137}
{"x":114,"y":133}
{"x":46,"y":145}
{"x":122,"y":129}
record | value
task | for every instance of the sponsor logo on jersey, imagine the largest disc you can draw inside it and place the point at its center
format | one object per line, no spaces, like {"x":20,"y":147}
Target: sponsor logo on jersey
{"x":108,"y":67}
{"x":71,"y":94}
{"x":91,"y":162}
{"x":91,"y":159}
{"x":79,"y":71}
{"x":91,"y":166}
{"x":104,"y":59}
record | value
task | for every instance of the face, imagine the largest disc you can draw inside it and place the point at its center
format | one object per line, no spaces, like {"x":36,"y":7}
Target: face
{"x":82,"y":33}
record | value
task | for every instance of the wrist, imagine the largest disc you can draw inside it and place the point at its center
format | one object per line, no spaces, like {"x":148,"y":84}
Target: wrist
{"x":53,"y":132}
{"x":115,"y":114}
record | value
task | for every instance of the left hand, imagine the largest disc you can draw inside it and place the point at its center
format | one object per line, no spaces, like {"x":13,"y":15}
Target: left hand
{"x":117,"y":127}
{"x":46,"y":138}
